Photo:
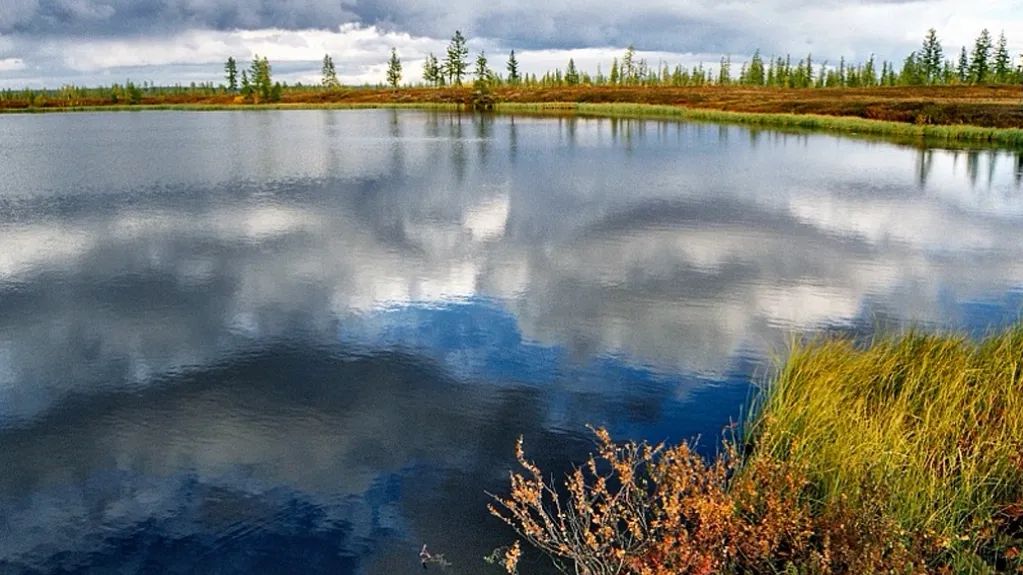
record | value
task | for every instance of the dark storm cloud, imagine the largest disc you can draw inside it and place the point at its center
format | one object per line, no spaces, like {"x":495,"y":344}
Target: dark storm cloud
{"x":696,"y":26}
{"x":130,"y":17}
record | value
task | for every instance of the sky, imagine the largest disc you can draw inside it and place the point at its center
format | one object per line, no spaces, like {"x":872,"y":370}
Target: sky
{"x":88,"y":42}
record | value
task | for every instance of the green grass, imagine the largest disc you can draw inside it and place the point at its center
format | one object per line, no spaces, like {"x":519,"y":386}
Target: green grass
{"x":849,"y":125}
{"x":928,"y":426}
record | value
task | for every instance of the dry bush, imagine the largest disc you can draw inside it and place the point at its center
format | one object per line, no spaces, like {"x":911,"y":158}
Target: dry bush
{"x":663,"y":510}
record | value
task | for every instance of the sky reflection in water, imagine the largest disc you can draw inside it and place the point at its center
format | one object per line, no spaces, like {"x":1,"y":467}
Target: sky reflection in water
{"x":306,"y":341}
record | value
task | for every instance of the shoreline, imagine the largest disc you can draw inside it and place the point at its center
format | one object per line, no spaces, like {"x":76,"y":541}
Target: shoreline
{"x":1007,"y":138}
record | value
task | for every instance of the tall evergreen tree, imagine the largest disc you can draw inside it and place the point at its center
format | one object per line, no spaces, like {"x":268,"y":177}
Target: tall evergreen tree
{"x":628,"y":68}
{"x":329,"y":73}
{"x":755,"y":75}
{"x":912,"y":73}
{"x":431,"y":70}
{"x":481,"y":72}
{"x":1002,"y":61}
{"x":457,"y":62}
{"x":930,"y":57}
{"x":513,"y":69}
{"x":261,"y":77}
{"x":980,"y":63}
{"x":246,"y":85}
{"x":394,"y":69}
{"x":615,"y":76}
{"x":231,"y":70}
{"x":725,"y":71}
{"x":571,"y":73}
{"x":963,"y":67}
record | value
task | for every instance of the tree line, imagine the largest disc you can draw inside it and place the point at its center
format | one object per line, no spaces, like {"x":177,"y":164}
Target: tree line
{"x":987,"y":62}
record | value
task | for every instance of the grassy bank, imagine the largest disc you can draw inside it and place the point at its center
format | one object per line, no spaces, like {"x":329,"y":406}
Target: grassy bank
{"x":1008,"y":137}
{"x":938,"y":134}
{"x":904,"y":456}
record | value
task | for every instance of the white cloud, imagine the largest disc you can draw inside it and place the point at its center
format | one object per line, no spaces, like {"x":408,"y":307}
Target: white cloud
{"x":11,"y":65}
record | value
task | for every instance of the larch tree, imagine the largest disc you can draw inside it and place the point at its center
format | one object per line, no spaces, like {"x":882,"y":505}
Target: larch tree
{"x":432,"y":73}
{"x":329,"y":73}
{"x":481,"y":72}
{"x":628,"y":68}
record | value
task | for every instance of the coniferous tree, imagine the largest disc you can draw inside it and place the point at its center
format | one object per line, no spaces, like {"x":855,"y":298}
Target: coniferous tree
{"x":963,"y":68}
{"x":329,"y":73}
{"x":571,"y":74}
{"x":457,"y":61}
{"x":246,"y":86}
{"x":431,"y":70}
{"x":394,"y":69}
{"x":980,"y":64}
{"x":930,"y":58}
{"x":615,"y":76}
{"x":912,"y":73}
{"x":756,"y":69}
{"x":725,"y":71}
{"x":628,"y":69}
{"x":481,"y":72}
{"x":231,"y":69}
{"x":1002,"y":61}
{"x":513,"y":69}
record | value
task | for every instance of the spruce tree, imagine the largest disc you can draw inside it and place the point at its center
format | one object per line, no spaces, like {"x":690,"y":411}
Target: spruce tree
{"x":513,"y":69}
{"x":457,"y":61}
{"x":231,"y":69}
{"x":571,"y":74}
{"x":615,"y":76}
{"x":980,"y":64}
{"x":394,"y":69}
{"x":963,"y":68}
{"x":930,"y":57}
{"x":1002,"y":61}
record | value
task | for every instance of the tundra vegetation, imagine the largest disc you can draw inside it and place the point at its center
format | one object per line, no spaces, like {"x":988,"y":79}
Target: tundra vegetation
{"x":902,"y":456}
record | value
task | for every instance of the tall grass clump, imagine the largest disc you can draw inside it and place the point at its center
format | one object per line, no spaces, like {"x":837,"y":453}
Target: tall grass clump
{"x":902,"y":457}
{"x":928,"y":426}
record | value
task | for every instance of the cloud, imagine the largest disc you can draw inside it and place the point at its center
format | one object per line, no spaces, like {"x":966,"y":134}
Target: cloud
{"x":11,"y":64}
{"x":67,"y":38}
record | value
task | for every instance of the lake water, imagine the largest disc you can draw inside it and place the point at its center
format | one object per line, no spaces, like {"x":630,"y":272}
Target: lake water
{"x":305,"y":342}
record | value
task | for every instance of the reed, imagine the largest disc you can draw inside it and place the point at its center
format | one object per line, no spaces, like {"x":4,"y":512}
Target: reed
{"x":930,"y":424}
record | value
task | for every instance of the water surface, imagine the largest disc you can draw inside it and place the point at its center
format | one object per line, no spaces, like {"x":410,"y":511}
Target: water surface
{"x":305,"y":341}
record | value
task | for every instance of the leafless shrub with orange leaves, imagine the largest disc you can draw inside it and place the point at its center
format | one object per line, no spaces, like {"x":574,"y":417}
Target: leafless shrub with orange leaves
{"x":663,"y":510}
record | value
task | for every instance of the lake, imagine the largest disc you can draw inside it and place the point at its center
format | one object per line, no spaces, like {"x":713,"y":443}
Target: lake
{"x":306,"y":341}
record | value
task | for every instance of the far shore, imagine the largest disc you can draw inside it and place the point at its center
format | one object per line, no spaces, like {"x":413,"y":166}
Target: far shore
{"x":990,"y":115}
